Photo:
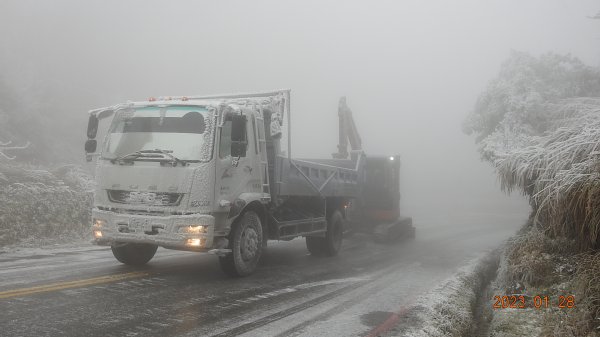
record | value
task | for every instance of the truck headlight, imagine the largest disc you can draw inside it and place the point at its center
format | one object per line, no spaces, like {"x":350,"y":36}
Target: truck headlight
{"x":99,"y":223}
{"x":194,"y":229}
{"x":195,"y":242}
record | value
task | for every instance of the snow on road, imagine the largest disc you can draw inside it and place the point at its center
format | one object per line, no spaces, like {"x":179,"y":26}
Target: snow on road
{"x":186,"y":294}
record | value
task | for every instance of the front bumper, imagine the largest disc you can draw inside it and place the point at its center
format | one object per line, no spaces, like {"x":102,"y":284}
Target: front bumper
{"x":112,"y":228}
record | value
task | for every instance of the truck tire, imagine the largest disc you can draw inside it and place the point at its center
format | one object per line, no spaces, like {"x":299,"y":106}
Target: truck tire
{"x":331,"y":244}
{"x":246,"y":244}
{"x":134,"y":254}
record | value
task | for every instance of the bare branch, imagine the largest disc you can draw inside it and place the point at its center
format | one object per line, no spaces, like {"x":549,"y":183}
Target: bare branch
{"x":4,"y":147}
{"x":7,"y":157}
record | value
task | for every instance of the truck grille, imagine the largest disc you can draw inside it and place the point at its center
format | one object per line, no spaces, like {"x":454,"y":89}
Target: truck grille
{"x":145,"y":198}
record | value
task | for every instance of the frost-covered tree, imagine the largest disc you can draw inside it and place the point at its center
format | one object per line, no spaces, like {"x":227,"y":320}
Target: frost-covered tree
{"x":538,"y":123}
{"x":514,"y":106}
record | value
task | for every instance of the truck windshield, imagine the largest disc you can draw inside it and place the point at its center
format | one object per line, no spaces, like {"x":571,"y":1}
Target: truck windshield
{"x":185,"y":130}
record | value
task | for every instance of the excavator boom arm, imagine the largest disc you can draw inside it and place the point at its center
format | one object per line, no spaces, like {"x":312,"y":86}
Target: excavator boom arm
{"x":347,"y":131}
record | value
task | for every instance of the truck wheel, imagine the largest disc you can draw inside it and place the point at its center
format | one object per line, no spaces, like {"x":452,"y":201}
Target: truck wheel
{"x":134,"y":254}
{"x":246,"y":244}
{"x":315,"y":245}
{"x":331,"y":244}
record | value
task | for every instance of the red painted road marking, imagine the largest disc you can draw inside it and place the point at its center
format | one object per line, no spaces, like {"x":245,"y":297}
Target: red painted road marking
{"x":390,"y":322}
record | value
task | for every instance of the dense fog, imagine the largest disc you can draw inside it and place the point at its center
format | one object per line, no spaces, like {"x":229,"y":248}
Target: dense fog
{"x":411,"y":70}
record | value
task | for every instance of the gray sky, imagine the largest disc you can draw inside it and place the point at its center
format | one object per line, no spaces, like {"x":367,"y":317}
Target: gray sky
{"x":411,"y":69}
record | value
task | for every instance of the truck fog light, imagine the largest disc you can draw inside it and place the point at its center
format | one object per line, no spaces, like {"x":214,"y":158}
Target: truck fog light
{"x":99,"y":223}
{"x":195,"y":242}
{"x":97,"y":234}
{"x":194,"y":229}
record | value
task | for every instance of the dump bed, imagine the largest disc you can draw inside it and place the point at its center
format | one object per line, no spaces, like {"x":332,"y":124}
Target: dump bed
{"x":322,"y":177}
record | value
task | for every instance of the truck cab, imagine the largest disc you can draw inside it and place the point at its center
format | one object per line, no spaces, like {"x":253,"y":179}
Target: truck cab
{"x":176,"y":173}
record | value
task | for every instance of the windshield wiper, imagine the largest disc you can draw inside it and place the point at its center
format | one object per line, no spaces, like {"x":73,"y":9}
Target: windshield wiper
{"x":148,"y":154}
{"x":127,"y":157}
{"x":166,"y":153}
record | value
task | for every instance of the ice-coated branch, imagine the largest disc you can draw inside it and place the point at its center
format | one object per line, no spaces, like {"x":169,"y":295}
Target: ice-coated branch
{"x":4,"y":147}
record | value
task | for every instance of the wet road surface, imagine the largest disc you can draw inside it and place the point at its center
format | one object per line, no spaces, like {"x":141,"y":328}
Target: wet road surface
{"x":83,"y":291}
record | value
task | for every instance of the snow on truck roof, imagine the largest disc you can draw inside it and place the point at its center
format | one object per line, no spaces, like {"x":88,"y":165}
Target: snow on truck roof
{"x":273,"y":99}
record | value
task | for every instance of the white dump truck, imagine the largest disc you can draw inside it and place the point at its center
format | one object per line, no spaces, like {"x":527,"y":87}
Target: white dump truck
{"x":209,"y":174}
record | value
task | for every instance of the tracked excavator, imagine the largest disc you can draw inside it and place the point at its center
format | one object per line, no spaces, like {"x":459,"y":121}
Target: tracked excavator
{"x":376,"y":209}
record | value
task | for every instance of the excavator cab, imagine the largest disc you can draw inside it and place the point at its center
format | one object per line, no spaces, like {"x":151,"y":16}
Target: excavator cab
{"x":381,"y":191}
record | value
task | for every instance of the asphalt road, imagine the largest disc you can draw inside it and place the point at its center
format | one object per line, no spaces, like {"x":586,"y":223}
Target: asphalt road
{"x":82,"y":291}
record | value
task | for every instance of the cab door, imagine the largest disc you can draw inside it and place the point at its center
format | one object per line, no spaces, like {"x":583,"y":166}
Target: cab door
{"x":237,"y":160}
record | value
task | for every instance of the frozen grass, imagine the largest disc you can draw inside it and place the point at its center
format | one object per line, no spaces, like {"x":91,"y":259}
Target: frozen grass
{"x":560,"y":172}
{"x":448,"y":310}
{"x":516,"y":323}
{"x":531,"y":258}
{"x":38,"y":206}
{"x":587,"y":282}
{"x":584,"y":320}
{"x":535,"y":264}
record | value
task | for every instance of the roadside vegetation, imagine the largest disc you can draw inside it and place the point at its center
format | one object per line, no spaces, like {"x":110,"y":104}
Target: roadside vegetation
{"x":538,"y":124}
{"x":42,"y":199}
{"x":39,"y":206}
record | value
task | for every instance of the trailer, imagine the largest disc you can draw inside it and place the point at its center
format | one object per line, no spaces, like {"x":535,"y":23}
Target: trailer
{"x":215,"y":174}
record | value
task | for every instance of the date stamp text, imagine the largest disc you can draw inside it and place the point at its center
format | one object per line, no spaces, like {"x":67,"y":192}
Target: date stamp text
{"x":536,"y":302}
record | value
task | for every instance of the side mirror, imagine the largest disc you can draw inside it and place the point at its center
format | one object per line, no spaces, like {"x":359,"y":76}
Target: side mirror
{"x":92,"y":128}
{"x":239,"y":143}
{"x":90,"y":146}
